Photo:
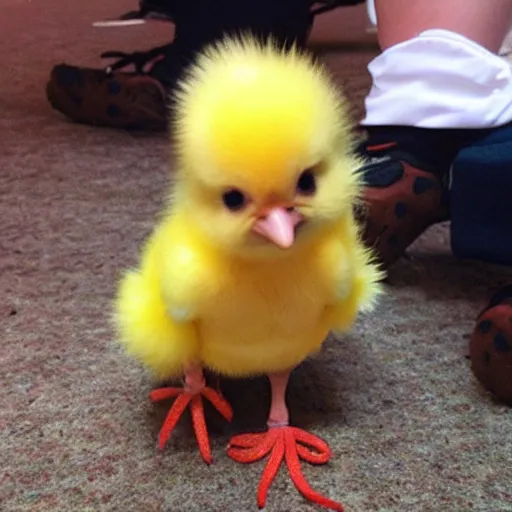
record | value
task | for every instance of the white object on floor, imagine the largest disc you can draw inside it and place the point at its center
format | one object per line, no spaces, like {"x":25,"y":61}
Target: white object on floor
{"x":439,"y":79}
{"x":118,"y":23}
{"x":372,"y":13}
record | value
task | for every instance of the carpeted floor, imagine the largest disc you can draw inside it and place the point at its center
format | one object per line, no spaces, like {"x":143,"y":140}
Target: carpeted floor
{"x":409,"y":427}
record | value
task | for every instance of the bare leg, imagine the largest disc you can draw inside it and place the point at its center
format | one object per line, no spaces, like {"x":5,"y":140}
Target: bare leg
{"x":194,"y":379}
{"x":439,"y":66}
{"x":484,"y":21}
{"x":278,"y":416}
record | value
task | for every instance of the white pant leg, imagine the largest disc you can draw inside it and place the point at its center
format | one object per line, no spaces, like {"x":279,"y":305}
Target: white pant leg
{"x":439,"y":79}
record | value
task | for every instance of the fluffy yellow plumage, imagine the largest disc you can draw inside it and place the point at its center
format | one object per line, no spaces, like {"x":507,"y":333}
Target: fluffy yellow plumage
{"x":257,"y":256}
{"x":209,"y":291}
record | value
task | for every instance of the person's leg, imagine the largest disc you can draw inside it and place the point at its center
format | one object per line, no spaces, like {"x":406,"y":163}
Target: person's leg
{"x":485,"y":23}
{"x":438,"y":57}
{"x":116,"y":97}
{"x":435,"y":88}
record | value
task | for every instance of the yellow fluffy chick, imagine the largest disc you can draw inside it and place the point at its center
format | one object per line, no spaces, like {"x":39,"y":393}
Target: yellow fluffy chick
{"x":257,"y":256}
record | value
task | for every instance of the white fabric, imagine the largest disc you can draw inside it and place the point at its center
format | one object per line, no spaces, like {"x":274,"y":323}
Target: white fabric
{"x":372,"y":13}
{"x":439,"y":79}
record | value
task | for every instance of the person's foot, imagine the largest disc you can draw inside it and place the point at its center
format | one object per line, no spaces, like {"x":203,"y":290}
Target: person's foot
{"x":114,"y":97}
{"x":490,"y":346}
{"x":404,"y":192}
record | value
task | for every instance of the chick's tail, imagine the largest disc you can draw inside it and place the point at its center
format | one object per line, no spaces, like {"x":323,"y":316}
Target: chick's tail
{"x":146,"y":330}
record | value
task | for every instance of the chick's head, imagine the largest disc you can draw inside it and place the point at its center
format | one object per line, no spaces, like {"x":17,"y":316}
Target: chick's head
{"x":263,"y":147}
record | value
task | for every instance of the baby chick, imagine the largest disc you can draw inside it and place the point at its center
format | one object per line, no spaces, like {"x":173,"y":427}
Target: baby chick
{"x":257,"y":256}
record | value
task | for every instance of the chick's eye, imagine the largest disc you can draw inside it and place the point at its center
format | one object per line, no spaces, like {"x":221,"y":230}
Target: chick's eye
{"x":234,"y":199}
{"x":306,"y":184}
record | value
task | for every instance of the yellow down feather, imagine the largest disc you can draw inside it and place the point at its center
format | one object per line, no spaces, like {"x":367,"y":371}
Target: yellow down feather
{"x":251,"y":116}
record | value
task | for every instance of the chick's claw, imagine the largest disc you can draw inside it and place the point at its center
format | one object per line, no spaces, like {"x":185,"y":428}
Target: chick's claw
{"x":290,"y":444}
{"x":183,"y":400}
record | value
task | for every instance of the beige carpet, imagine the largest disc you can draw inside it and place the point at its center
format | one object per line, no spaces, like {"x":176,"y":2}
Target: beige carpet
{"x":409,"y":427}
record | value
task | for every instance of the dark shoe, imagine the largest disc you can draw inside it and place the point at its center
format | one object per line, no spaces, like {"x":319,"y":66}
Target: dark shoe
{"x":491,"y":346}
{"x":401,"y":200}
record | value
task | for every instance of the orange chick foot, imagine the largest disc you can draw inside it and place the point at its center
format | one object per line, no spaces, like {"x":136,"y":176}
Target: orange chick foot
{"x":290,"y":444}
{"x":183,"y":400}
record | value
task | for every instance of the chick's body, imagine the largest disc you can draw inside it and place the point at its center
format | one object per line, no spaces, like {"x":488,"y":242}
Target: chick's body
{"x":258,"y":255}
{"x":251,"y":117}
{"x":238,"y":342}
{"x":249,"y":317}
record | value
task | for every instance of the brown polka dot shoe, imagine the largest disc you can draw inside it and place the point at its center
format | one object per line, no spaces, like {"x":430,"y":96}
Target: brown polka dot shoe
{"x":113,"y":96}
{"x":490,"y":347}
{"x":401,"y":200}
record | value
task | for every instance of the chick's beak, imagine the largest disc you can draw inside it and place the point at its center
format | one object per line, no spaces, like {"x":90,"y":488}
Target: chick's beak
{"x":278,"y":226}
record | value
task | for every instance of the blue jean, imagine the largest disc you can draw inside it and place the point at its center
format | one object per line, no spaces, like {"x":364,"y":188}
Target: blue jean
{"x":481,"y":199}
